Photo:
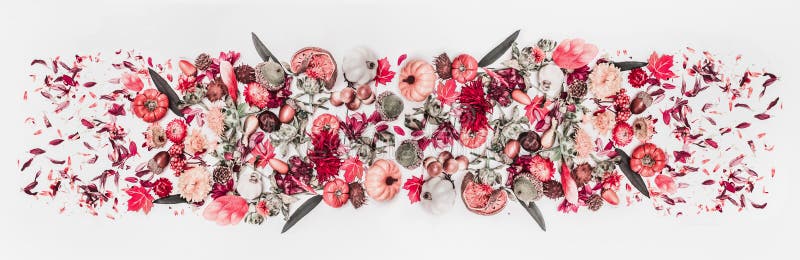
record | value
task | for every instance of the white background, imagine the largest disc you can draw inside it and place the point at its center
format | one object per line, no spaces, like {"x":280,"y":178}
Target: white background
{"x":763,"y":31}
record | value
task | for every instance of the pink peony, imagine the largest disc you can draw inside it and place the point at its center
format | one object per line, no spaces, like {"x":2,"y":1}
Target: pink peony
{"x":604,"y":121}
{"x":132,"y":81}
{"x":605,"y":81}
{"x":226,"y":210}
{"x":574,"y":53}
{"x":195,"y":143}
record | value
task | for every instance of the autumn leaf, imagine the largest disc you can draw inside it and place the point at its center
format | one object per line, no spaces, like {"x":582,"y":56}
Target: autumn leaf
{"x":140,"y":199}
{"x":414,"y":188}
{"x":353,"y":169}
{"x":262,"y":153}
{"x":401,"y":59}
{"x":446,"y":93}
{"x":660,"y":66}
{"x":384,"y":75}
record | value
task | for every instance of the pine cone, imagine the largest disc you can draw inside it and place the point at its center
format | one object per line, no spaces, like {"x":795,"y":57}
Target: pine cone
{"x":203,"y":61}
{"x":216,"y":90}
{"x":443,"y":66}
{"x":577,"y":89}
{"x":553,"y":189}
{"x":582,"y":174}
{"x":357,"y":197}
{"x":594,"y":202}
{"x":222,"y":175}
{"x":245,"y":74}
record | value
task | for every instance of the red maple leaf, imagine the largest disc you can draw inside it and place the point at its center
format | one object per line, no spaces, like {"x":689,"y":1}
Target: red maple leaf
{"x":660,"y":66}
{"x":353,"y":169}
{"x":446,"y":93}
{"x":384,"y":75}
{"x":414,"y":188}
{"x":261,"y":153}
{"x":140,"y":199}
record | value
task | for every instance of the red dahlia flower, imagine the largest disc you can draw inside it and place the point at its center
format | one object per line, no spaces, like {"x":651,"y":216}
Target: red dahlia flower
{"x":473,"y":101}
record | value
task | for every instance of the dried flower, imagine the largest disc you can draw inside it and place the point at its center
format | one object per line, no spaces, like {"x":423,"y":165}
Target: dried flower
{"x":203,"y":61}
{"x":215,"y":119}
{"x":605,"y":80}
{"x":583,"y":143}
{"x":196,"y":143}
{"x":582,"y":174}
{"x":473,"y":102}
{"x":357,"y":197}
{"x":176,"y":130}
{"x":622,"y":134}
{"x":643,"y":129}
{"x":256,"y":95}
{"x":194,"y":184}
{"x":594,"y":202}
{"x":222,"y":174}
{"x":325,"y":154}
{"x":245,"y":74}
{"x":443,"y":66}
{"x":604,"y":121}
{"x":637,"y":78}
{"x":553,"y":189}
{"x":542,"y":168}
{"x":216,"y":90}
{"x":162,"y":187}
{"x":155,"y":137}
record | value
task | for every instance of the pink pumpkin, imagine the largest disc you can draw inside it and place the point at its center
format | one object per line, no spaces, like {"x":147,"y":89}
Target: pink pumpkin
{"x":417,"y":80}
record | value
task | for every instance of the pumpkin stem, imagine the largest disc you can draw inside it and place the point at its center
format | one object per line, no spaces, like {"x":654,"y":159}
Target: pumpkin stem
{"x":390,"y":180}
{"x":409,"y":80}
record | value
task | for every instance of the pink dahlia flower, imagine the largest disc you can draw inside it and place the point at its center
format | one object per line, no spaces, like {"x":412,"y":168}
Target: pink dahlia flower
{"x":226,"y":210}
{"x":574,"y":53}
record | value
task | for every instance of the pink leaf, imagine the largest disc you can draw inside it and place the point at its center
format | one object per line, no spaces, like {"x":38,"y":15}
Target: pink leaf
{"x":56,"y":141}
{"x":37,"y":151}
{"x":399,"y":130}
{"x":762,"y":116}
{"x":414,"y":188}
{"x":353,"y":169}
{"x":743,"y":125}
{"x":401,"y":59}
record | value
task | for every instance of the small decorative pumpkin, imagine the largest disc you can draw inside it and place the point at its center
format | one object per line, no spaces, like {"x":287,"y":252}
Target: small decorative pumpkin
{"x":438,"y":195}
{"x":648,"y":159}
{"x":360,"y":66}
{"x":417,"y":80}
{"x":464,"y":68}
{"x":336,"y":193}
{"x":473,"y":139}
{"x":250,"y":185}
{"x":383,"y":180}
{"x":150,"y":105}
{"x":480,"y":198}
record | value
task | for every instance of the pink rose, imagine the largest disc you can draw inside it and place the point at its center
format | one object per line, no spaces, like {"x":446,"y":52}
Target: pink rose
{"x":574,"y":53}
{"x":226,"y":210}
{"x":132,"y":81}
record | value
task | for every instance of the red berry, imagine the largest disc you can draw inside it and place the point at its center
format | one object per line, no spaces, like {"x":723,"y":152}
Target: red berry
{"x":623,"y":115}
{"x":176,"y":149}
{"x":621,"y":100}
{"x":177,"y":164}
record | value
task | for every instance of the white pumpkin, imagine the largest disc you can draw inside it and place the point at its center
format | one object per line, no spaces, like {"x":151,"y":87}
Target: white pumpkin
{"x":438,"y":195}
{"x":360,"y":65}
{"x":250,"y":185}
{"x":551,"y":80}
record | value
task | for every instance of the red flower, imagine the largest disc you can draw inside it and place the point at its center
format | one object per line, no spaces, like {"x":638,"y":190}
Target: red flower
{"x":325,"y":155}
{"x":622,"y":133}
{"x":140,"y":199}
{"x":446,"y":93}
{"x":256,"y":95}
{"x":473,"y":101}
{"x":414,"y":188}
{"x":176,"y":131}
{"x":383,"y":75}
{"x":162,"y":187}
{"x":637,"y":77}
{"x":647,"y":160}
{"x":542,"y":168}
{"x":660,"y":66}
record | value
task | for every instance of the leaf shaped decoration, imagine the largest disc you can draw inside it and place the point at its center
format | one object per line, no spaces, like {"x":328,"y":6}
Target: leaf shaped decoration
{"x":171,"y":199}
{"x":635,"y":178}
{"x":163,"y":86}
{"x":498,"y":51}
{"x":629,"y":65}
{"x":301,"y":212}
{"x":262,"y":49}
{"x":535,"y":213}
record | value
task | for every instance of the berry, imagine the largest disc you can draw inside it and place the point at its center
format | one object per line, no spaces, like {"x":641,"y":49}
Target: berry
{"x":621,"y":100}
{"x":623,"y":114}
{"x":176,"y":149}
{"x":177,"y":164}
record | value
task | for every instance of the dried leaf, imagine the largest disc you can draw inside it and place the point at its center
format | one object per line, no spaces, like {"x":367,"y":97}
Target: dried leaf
{"x":262,"y":50}
{"x":534,"y":211}
{"x":301,"y":212}
{"x":498,"y":51}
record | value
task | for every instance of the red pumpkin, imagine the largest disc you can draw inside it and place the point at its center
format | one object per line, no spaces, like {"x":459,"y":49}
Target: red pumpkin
{"x":473,"y":139}
{"x":336,"y":193}
{"x":150,"y":105}
{"x":464,"y":68}
{"x":647,"y":160}
{"x":417,"y":80}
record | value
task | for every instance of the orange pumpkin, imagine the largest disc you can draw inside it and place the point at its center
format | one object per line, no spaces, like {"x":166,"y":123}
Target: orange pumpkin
{"x":383,"y":180}
{"x":417,"y":80}
{"x":473,"y":139}
{"x":464,"y":68}
{"x":336,"y":193}
{"x":150,"y":105}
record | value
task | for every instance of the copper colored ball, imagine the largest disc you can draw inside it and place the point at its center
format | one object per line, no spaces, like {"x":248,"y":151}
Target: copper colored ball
{"x":364,"y":92}
{"x":434,"y":169}
{"x":336,"y":99}
{"x":444,"y":156}
{"x":530,"y":141}
{"x":463,"y":162}
{"x":451,"y":166}
{"x":428,"y":160}
{"x":371,"y":99}
{"x":286,"y":114}
{"x":354,"y":104}
{"x":348,"y":95}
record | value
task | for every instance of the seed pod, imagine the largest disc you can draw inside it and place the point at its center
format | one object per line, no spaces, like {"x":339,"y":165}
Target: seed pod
{"x":279,"y":166}
{"x":250,"y":126}
{"x":269,"y":122}
{"x":451,"y":166}
{"x":363,"y":92}
{"x":336,"y":99}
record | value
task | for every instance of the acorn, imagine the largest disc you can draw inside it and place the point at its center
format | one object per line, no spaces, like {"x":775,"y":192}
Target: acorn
{"x":641,"y":102}
{"x":463,"y":162}
{"x":354,"y":104}
{"x":521,"y":97}
{"x":286,"y":114}
{"x":158,"y":162}
{"x":512,"y":149}
{"x":451,"y":166}
{"x":348,"y":95}
{"x":269,"y":122}
{"x":336,"y":99}
{"x":610,"y":196}
{"x":530,"y":141}
{"x":444,"y":156}
{"x":363,"y":92}
{"x":434,"y":168}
